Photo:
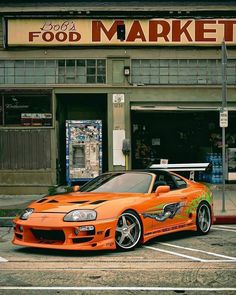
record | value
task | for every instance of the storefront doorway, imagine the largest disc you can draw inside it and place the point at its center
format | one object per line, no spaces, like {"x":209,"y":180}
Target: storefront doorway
{"x":179,"y":136}
{"x":79,"y":107}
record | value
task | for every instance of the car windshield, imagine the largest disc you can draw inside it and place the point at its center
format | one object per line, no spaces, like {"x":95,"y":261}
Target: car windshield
{"x":119,"y":182}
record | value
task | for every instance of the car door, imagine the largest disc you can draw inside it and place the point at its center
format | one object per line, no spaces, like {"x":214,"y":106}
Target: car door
{"x":167,"y":209}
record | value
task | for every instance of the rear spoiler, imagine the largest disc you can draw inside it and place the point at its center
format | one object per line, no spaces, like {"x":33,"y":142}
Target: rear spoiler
{"x":191,"y":167}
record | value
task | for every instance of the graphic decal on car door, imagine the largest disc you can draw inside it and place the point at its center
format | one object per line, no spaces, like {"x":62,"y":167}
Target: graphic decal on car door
{"x":192,"y":207}
{"x":168,"y":211}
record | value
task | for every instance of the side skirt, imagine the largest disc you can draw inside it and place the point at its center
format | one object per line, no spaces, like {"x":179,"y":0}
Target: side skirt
{"x":168,"y":230}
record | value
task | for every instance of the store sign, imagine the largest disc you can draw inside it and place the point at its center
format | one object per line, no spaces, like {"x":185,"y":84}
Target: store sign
{"x":36,"y":119}
{"x":224,"y":119}
{"x":164,"y":162}
{"x":118,"y":98}
{"x":76,"y":32}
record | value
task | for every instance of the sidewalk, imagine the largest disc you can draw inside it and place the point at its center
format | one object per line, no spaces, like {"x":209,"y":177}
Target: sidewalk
{"x":11,"y":205}
{"x":229,"y":215}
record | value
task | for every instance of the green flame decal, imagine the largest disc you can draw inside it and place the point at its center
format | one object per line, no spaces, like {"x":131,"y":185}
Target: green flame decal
{"x":207,"y":196}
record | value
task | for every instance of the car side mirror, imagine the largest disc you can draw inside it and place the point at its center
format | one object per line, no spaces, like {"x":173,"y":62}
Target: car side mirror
{"x":75,"y":188}
{"x":162,"y":189}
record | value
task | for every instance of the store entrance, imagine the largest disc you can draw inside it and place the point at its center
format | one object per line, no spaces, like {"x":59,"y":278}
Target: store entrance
{"x":179,"y":136}
{"x":79,"y":107}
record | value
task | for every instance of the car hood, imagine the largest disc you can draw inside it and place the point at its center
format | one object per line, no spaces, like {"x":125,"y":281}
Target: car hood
{"x":83,"y":200}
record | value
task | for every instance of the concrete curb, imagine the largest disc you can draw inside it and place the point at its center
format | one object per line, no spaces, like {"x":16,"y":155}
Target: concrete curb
{"x":6,"y":221}
{"x":228,"y":219}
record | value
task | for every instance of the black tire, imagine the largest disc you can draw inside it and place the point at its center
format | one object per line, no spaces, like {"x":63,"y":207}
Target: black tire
{"x":128,"y":231}
{"x":203,"y":219}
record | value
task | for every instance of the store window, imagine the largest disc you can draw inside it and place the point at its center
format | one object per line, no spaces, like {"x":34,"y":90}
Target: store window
{"x":65,"y":71}
{"x":1,"y":113}
{"x":181,"y":71}
{"x":184,"y":137}
{"x":82,"y":71}
{"x":25,"y":110}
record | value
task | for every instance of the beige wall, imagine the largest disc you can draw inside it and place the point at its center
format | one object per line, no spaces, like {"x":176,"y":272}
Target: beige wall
{"x":37,"y":181}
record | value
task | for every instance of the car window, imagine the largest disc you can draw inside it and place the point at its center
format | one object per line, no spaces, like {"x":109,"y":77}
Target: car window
{"x":164,"y":178}
{"x":179,"y":181}
{"x":119,"y":182}
{"x":158,"y":183}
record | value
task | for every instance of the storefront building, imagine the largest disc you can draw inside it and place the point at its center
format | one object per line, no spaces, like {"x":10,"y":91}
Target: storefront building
{"x":151,"y":74}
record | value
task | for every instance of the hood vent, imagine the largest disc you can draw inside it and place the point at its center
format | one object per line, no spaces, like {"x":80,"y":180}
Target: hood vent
{"x":78,"y":202}
{"x":53,"y":201}
{"x":97,"y":202}
{"x":42,"y":200}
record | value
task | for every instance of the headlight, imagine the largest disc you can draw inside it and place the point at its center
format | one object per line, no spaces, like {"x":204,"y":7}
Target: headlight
{"x":26,"y":213}
{"x":81,"y":215}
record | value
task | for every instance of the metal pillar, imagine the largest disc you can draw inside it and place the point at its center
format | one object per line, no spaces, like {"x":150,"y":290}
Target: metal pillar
{"x":224,"y":108}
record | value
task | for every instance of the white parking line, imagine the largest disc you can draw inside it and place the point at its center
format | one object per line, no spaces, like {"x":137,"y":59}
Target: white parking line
{"x":197,"y":250}
{"x":176,"y":254}
{"x":120,"y":288}
{"x":3,"y":259}
{"x":219,"y":260}
{"x":223,"y":229}
{"x":193,"y":257}
{"x":226,"y":226}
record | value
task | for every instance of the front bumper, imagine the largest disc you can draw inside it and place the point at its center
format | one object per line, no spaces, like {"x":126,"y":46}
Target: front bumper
{"x":51,"y":232}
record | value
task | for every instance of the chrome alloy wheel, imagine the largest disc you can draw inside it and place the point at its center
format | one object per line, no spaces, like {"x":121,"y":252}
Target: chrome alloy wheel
{"x":203,"y":219}
{"x":128,"y":231}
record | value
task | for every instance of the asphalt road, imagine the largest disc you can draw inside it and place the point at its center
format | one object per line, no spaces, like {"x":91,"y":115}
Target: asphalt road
{"x":182,"y":263}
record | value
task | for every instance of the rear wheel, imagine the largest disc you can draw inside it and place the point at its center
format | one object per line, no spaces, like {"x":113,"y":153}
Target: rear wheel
{"x":128,"y":231}
{"x":203,"y":218}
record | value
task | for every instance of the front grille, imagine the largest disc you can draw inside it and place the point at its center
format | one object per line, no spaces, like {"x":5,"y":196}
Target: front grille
{"x":107,"y":233}
{"x":49,"y":235}
{"x":82,"y":240}
{"x":19,"y":236}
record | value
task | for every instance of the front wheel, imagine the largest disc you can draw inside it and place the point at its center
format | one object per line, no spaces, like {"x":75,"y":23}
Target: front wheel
{"x":128,"y":231}
{"x":203,"y":219}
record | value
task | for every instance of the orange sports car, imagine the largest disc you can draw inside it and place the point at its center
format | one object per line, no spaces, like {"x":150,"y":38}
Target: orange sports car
{"x":116,"y":210}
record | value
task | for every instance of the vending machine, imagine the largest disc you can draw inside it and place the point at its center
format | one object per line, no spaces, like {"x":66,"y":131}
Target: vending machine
{"x":231,"y":163}
{"x":83,"y":150}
